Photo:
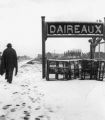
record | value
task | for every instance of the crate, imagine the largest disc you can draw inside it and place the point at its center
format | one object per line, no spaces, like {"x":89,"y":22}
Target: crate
{"x":92,"y":69}
{"x":58,"y":67}
{"x":65,"y":68}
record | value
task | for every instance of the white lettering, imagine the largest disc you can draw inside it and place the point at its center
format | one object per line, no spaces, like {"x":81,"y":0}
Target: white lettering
{"x":84,"y":29}
{"x":69,"y":29}
{"x":98,"y":29}
{"x":52,"y":29}
{"x":76,"y":27}
{"x":91,"y":29}
{"x":60,"y":30}
{"x":64,"y":28}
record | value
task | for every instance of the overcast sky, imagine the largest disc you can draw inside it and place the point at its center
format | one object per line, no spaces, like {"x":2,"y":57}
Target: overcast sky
{"x":20,"y":23}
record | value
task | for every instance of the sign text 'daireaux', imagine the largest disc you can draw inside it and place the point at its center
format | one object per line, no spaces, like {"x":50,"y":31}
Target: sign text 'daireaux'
{"x":74,"y":29}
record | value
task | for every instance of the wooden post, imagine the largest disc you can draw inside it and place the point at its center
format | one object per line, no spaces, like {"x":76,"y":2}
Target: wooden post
{"x":104,"y":29}
{"x":57,"y":67}
{"x":99,"y":51}
{"x":43,"y":47}
{"x":48,"y":66}
{"x":104,"y":33}
{"x":91,"y":55}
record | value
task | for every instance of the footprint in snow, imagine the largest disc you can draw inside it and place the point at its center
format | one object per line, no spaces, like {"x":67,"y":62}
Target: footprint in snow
{"x":25,"y":118}
{"x":23,"y":93}
{"x":6,"y":107}
{"x":38,"y":108}
{"x":13,"y":110}
{"x":15,"y":92}
{"x":29,"y":107}
{"x":2,"y":117}
{"x":32,"y":99}
{"x":42,"y":117}
{"x":27,"y":115}
{"x":23,"y":104}
{"x":17,"y":105}
{"x":24,"y":85}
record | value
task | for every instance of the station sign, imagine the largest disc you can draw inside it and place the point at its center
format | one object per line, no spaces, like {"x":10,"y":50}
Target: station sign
{"x":74,"y":29}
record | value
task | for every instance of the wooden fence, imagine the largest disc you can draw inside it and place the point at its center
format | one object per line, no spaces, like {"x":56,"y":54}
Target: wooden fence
{"x":75,"y":69}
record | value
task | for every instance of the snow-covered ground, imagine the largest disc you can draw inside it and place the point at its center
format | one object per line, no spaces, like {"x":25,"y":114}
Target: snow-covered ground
{"x":30,"y":97}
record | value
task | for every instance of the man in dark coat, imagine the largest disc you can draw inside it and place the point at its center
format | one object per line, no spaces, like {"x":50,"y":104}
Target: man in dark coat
{"x":9,"y":62}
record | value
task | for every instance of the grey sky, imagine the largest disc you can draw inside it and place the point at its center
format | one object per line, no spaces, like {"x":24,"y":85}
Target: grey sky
{"x":20,"y":23}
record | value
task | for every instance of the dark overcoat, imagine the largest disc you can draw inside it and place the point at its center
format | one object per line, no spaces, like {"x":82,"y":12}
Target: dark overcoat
{"x":9,"y":60}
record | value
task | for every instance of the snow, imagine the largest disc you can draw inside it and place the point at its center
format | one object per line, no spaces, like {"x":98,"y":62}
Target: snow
{"x":30,"y":97}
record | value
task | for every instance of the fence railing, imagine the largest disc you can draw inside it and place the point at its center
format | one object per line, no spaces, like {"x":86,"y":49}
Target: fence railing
{"x":75,"y":69}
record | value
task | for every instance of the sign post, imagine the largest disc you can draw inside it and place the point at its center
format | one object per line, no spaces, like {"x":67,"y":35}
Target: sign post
{"x":43,"y":46}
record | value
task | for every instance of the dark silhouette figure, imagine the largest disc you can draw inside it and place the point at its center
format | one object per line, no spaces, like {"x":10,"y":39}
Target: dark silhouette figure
{"x":9,"y":62}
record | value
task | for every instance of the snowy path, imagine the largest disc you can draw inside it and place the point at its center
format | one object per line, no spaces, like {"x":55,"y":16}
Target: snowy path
{"x":76,"y":100}
{"x":30,"y":97}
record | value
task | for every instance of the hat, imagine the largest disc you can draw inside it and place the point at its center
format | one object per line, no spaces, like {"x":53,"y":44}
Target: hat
{"x":9,"y":45}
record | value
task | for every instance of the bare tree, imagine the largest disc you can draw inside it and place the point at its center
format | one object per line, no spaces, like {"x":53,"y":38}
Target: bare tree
{"x":93,"y":43}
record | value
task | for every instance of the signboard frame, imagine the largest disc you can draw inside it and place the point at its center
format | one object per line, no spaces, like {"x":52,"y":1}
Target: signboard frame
{"x":74,"y":29}
{"x":45,"y":35}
